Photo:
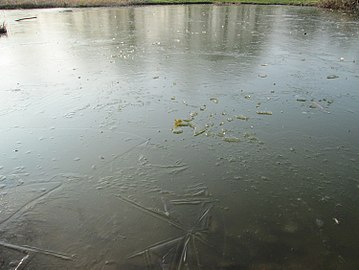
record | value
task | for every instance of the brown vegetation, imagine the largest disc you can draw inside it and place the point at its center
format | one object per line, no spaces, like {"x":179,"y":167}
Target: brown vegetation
{"x":62,"y":3}
{"x":3,"y":29}
{"x":352,"y":5}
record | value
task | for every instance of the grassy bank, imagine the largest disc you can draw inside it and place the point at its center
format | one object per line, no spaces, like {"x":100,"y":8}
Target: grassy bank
{"x":12,"y":4}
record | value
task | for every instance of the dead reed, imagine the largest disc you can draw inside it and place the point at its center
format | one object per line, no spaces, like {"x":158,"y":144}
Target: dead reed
{"x":3,"y":29}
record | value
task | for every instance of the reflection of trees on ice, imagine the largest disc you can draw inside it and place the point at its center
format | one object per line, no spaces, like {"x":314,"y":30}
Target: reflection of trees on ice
{"x":187,"y":250}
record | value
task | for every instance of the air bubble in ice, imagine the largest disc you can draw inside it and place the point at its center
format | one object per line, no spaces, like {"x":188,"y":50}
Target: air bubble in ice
{"x":331,"y":77}
{"x":214,"y":100}
{"x":264,"y":112}
{"x":177,"y":130}
{"x":231,"y":139}
{"x":242,"y":117}
{"x":319,"y":223}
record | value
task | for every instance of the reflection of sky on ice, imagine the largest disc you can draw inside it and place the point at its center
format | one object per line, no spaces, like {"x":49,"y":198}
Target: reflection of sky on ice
{"x":87,"y":107}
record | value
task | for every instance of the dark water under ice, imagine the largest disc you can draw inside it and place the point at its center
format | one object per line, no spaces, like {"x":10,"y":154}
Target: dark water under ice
{"x":179,"y":137}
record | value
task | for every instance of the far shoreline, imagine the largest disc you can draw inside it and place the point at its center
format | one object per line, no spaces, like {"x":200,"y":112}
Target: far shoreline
{"x":98,"y":3}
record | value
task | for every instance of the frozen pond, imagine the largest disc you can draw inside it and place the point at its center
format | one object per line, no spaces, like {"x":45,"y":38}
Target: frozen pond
{"x":179,"y":137}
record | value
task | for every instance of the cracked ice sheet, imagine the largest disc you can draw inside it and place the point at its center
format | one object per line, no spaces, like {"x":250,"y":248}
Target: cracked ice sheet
{"x":19,"y":199}
{"x":79,"y":226}
{"x":39,"y":213}
{"x":88,"y":209}
{"x":43,"y":152}
{"x":77,"y":220}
